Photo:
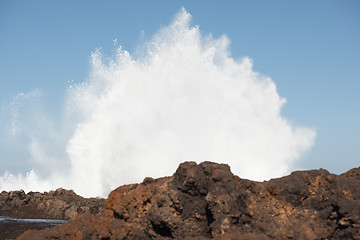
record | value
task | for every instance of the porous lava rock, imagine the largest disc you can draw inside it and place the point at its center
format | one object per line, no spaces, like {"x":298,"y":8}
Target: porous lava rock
{"x":207,"y":201}
{"x":59,"y":204}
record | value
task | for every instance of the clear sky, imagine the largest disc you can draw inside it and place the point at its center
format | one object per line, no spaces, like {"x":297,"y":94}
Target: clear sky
{"x":310,"y":49}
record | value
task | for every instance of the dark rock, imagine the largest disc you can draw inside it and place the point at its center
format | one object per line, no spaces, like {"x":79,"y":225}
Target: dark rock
{"x":207,"y":201}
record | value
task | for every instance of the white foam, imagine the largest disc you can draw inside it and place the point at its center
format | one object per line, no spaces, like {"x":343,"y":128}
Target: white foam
{"x":186,"y":98}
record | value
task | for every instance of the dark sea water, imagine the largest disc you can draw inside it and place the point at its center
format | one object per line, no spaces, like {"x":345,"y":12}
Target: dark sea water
{"x":12,"y":228}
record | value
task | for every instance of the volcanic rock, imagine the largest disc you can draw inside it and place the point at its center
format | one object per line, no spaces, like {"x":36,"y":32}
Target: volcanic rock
{"x":59,"y":204}
{"x":207,"y":201}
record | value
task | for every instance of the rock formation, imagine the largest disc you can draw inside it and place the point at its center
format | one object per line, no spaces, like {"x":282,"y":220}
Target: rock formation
{"x":207,"y":201}
{"x":59,"y":204}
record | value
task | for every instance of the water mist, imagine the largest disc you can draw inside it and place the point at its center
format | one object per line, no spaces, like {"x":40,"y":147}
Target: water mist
{"x":184,"y":99}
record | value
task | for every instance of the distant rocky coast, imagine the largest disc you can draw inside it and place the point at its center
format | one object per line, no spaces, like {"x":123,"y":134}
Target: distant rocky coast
{"x":35,"y":208}
{"x":59,"y":204}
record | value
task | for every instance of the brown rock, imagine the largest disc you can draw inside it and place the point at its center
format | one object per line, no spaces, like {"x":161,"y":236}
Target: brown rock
{"x":59,"y":204}
{"x":353,"y":173}
{"x":207,"y":201}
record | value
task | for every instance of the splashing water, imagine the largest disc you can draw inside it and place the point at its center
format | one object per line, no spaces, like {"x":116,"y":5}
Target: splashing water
{"x":184,"y":99}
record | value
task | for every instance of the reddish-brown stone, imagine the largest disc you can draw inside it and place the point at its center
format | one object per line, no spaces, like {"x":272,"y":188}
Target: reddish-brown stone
{"x":207,"y":201}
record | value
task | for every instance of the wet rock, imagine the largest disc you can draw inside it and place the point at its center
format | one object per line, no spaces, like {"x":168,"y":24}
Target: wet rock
{"x":207,"y":201}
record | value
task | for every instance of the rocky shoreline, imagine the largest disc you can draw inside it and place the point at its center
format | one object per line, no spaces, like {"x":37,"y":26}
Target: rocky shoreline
{"x":20,"y":211}
{"x":60,"y":204}
{"x":12,"y":227}
{"x":206,"y":201}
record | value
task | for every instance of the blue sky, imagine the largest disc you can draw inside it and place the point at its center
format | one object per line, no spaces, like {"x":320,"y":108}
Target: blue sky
{"x":310,"y":49}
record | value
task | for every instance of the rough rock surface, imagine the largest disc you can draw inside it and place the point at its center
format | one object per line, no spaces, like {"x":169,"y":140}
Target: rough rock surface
{"x":207,"y":201}
{"x":59,"y":204}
